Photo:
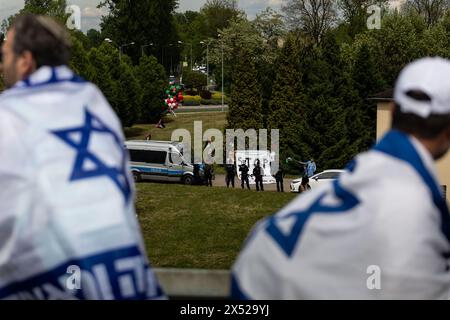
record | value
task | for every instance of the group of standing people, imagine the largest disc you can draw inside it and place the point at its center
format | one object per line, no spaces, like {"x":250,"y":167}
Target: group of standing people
{"x":309,"y":169}
{"x":231,"y":173}
{"x":257,"y":173}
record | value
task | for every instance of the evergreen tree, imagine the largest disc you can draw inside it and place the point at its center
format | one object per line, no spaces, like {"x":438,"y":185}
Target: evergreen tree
{"x":152,"y":77}
{"x":245,"y":108}
{"x":79,"y":61}
{"x":128,"y":97}
{"x":350,"y":108}
{"x":101,"y":76}
{"x":287,"y":102}
{"x":366,"y":74}
{"x":367,"y":81}
{"x":330,"y":106}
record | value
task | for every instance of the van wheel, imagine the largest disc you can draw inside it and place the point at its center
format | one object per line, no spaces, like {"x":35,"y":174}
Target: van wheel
{"x":188,"y":180}
{"x":137,"y":177}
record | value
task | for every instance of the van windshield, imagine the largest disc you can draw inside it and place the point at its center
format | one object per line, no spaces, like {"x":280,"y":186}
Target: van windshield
{"x":176,"y":158}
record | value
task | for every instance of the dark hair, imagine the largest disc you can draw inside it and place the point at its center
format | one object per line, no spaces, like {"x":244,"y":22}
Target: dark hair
{"x":425,"y":128}
{"x":47,"y":41}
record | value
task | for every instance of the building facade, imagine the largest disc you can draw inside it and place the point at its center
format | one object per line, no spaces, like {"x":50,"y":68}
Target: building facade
{"x":384,"y":121}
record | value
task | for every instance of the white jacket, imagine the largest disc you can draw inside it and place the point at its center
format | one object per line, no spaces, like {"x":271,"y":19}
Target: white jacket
{"x":381,"y":231}
{"x":66,"y":200}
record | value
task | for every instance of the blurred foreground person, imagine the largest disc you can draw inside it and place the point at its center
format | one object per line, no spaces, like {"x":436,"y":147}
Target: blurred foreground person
{"x":67,"y":219}
{"x":367,"y":235}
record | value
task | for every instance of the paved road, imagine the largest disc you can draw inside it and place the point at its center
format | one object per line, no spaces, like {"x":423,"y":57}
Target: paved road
{"x":202,"y":109}
{"x":220,"y":182}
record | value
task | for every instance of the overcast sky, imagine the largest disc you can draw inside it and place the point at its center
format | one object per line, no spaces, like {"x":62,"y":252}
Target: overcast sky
{"x":91,"y":15}
{"x":251,"y":7}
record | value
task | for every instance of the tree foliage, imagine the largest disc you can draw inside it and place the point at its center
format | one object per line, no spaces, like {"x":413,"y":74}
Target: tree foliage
{"x":431,"y":10}
{"x":314,"y":17}
{"x":218,"y":15}
{"x":287,"y":103}
{"x":194,"y":80}
{"x":142,"y":22}
{"x":152,"y":78}
{"x":245,"y":107}
{"x":53,"y":8}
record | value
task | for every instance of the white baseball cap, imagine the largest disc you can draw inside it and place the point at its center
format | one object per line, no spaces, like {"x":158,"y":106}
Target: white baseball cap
{"x":430,"y":76}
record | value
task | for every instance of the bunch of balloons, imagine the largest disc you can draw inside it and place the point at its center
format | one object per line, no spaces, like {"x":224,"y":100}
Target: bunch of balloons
{"x":174,"y":96}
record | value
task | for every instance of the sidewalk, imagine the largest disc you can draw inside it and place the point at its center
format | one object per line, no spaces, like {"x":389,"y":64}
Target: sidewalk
{"x":189,"y":109}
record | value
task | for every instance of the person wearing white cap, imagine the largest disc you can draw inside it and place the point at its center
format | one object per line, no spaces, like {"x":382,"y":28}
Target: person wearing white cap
{"x":366,"y":235}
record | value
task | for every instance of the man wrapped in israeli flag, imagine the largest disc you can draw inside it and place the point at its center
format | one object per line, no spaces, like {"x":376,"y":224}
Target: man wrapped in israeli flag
{"x":382,"y":230}
{"x":68,"y":228}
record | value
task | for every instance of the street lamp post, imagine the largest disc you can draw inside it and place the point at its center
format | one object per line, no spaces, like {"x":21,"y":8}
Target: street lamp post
{"x":181,"y":62}
{"x":207,"y":62}
{"x":192,"y":65}
{"x":221,"y":45}
{"x":171,"y":60}
{"x":123,"y":46}
{"x":120,"y":47}
{"x":144,"y":46}
{"x":223,"y":107}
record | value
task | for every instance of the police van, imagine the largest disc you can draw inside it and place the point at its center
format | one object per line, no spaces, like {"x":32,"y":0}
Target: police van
{"x":159,"y":161}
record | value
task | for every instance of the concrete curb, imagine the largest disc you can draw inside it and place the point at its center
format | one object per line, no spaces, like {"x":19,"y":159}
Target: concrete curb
{"x":195,"y":283}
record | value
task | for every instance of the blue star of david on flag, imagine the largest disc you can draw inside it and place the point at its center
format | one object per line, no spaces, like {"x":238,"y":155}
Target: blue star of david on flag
{"x":92,"y":125}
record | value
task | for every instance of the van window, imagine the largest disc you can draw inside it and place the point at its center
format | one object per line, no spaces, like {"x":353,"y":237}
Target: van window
{"x":175,"y":158}
{"x":148,"y":156}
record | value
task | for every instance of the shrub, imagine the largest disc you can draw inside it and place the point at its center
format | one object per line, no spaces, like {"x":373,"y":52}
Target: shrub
{"x":191,"y":100}
{"x":205,"y":94}
{"x":194,"y":80}
{"x":191,"y":92}
{"x":217,"y":96}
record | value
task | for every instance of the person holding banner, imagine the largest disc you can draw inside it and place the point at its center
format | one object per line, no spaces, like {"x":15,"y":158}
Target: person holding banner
{"x":68,"y":227}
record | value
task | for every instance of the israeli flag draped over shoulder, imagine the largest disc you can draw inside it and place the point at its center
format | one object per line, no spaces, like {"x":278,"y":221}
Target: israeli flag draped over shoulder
{"x":68,"y":228}
{"x":381,"y":231}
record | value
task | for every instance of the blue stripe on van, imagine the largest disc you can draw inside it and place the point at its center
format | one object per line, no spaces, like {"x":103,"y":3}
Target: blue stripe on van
{"x":157,"y":170}
{"x":150,"y":170}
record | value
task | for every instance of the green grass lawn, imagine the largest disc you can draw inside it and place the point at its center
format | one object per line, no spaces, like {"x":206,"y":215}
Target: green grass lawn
{"x":213,"y":120}
{"x":199,"y":227}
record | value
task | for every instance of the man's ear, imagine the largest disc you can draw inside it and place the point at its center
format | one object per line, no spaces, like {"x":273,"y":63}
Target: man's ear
{"x":26,"y":64}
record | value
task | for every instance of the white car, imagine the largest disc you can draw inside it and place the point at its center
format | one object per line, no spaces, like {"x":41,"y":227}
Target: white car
{"x":317,"y":180}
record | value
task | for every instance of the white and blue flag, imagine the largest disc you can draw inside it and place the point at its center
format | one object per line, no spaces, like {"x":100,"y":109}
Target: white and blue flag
{"x":381,"y":231}
{"x":68,"y":228}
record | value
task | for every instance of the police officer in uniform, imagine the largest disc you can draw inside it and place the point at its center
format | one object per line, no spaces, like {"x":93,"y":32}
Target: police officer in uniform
{"x":243,"y":168}
{"x":231,"y":174}
{"x":258,"y":174}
